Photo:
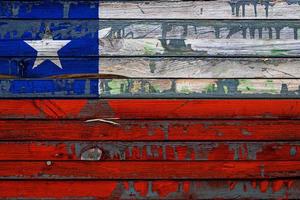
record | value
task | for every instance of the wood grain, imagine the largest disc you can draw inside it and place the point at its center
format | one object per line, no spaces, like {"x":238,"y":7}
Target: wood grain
{"x":177,"y":67}
{"x":169,"y":189}
{"x":53,"y":9}
{"x":198,"y":29}
{"x":203,"y":47}
{"x":216,"y":9}
{"x":199,"y":38}
{"x":145,"y":151}
{"x":180,"y":170}
{"x":152,"y":67}
{"x":199,"y":88}
{"x":149,"y":88}
{"x":150,"y":109}
{"x":150,"y":130}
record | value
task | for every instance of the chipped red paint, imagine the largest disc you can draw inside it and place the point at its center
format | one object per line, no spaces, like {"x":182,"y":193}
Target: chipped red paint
{"x":151,"y":109}
{"x":154,"y":130}
{"x":134,"y":170}
{"x":278,"y":189}
{"x":161,"y":151}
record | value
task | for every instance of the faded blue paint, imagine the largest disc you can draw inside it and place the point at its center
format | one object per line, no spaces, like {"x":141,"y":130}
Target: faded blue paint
{"x":49,"y":88}
{"x":49,"y":9}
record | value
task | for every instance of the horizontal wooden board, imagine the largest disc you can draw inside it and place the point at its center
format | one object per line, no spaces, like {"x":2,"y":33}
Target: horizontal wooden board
{"x":191,"y":67}
{"x":150,"y":109}
{"x":150,"y":88}
{"x":220,"y":9}
{"x":199,"y":88}
{"x":201,"y":47}
{"x":51,"y":9}
{"x":150,"y":130}
{"x":200,"y":189}
{"x":143,"y":151}
{"x":200,"y":38}
{"x":152,"y":67}
{"x":151,"y":38}
{"x":245,"y":30}
{"x":216,"y":9}
{"x":133,"y":170}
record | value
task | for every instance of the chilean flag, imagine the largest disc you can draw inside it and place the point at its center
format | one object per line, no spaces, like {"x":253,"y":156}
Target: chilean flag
{"x":49,"y":46}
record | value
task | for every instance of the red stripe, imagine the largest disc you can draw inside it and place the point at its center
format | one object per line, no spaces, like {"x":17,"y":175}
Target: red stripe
{"x":149,"y":151}
{"x":150,"y":170}
{"x":150,"y":109}
{"x":157,"y":130}
{"x":266,"y":189}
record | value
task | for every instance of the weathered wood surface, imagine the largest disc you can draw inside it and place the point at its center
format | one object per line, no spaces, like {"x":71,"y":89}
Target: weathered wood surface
{"x":199,"y":189}
{"x":154,"y":38}
{"x":176,"y":67}
{"x":199,"y":88}
{"x":50,"y":9}
{"x":220,"y":9}
{"x":195,"y":29}
{"x":62,"y":29}
{"x":145,"y":151}
{"x":216,"y":9}
{"x":150,"y":109}
{"x":150,"y":88}
{"x":200,"y":47}
{"x":134,"y":170}
{"x":150,"y":130}
{"x":199,"y":38}
{"x":152,"y":67}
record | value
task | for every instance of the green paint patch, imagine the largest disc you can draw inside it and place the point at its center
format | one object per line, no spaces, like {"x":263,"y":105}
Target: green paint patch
{"x":279,"y":52}
{"x":152,"y":49}
{"x":225,"y":89}
{"x":270,"y":87}
{"x":117,"y":86}
{"x":245,"y":86}
{"x":210,"y":88}
{"x":185,"y":90}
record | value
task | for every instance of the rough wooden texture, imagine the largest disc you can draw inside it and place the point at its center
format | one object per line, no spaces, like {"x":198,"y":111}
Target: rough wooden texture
{"x":172,"y":67}
{"x":199,"y":88}
{"x":177,"y":67}
{"x":199,"y":38}
{"x":53,"y":9}
{"x":195,"y":29}
{"x":134,"y":170}
{"x":203,"y":47}
{"x":150,"y":109}
{"x":150,"y":130}
{"x":216,"y":9}
{"x":221,"y":189}
{"x":150,"y":88}
{"x":145,"y":151}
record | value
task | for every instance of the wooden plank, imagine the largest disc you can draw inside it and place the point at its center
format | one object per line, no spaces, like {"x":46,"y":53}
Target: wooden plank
{"x":216,"y":9}
{"x":199,"y":189}
{"x":150,"y":109}
{"x":145,"y":151}
{"x":150,"y":88}
{"x":152,"y":38}
{"x":53,"y":9}
{"x":180,"y":170}
{"x":150,"y":130}
{"x":199,"y":88}
{"x":221,"y":9}
{"x":149,"y":67}
{"x":190,"y":67}
{"x":203,"y":47}
{"x":196,"y":29}
{"x":199,"y":38}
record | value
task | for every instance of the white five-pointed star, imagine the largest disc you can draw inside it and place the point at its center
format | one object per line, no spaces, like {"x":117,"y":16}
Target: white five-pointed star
{"x":47,"y":47}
